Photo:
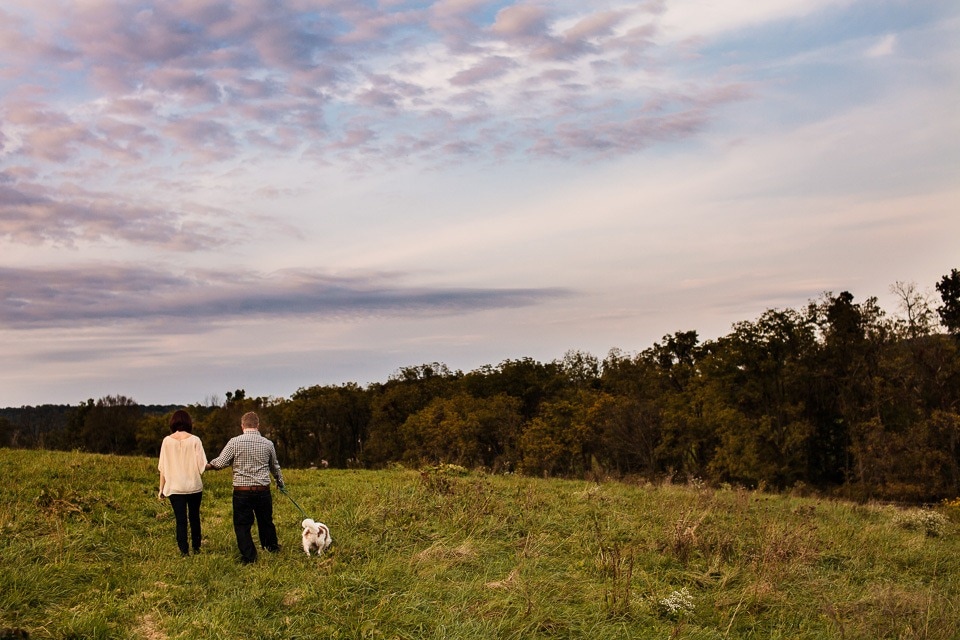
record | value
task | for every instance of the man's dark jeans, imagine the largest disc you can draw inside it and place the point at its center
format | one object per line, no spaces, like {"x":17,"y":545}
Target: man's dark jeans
{"x":182,"y":504}
{"x":247,"y":507}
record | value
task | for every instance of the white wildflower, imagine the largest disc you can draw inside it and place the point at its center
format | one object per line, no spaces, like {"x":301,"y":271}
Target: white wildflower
{"x":677,"y":604}
{"x":931,"y":522}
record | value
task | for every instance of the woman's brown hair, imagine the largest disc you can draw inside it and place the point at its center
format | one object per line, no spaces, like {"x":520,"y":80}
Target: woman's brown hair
{"x":181,"y":421}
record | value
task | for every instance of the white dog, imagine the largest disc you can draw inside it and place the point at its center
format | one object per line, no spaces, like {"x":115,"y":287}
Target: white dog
{"x":316,"y":536}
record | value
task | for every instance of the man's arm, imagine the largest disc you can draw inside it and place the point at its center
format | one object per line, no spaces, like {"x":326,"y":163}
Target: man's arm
{"x":224,"y":459}
{"x":275,"y":467}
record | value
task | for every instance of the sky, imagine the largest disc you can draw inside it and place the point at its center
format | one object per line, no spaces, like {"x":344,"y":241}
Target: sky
{"x":199,"y":196}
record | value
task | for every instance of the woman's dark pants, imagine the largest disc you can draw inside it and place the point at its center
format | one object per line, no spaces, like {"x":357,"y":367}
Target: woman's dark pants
{"x":186,"y":507}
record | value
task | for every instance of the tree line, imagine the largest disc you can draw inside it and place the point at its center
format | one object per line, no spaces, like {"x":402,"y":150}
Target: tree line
{"x":837,"y":396}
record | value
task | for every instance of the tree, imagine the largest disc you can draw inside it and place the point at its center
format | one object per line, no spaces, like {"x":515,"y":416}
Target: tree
{"x":7,"y":434}
{"x":920,"y":464}
{"x":531,"y":381}
{"x":582,"y":369}
{"x":223,"y":423}
{"x":917,"y":313}
{"x":151,"y":430}
{"x":326,"y":423}
{"x":677,"y":357}
{"x":762,"y":371}
{"x":689,"y":428}
{"x":108,"y":426}
{"x":464,"y":430}
{"x":559,"y":440}
{"x":949,"y":288}
{"x":841,"y":395}
{"x":629,"y":432}
{"x":407,"y":392}
{"x":683,"y":398}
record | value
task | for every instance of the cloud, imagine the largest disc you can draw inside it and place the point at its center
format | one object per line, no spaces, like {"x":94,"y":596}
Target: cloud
{"x":202,"y":82}
{"x":684,"y":19}
{"x":522,"y":22}
{"x":81,"y":296}
{"x":34,"y":214}
{"x":206,"y":137}
{"x":493,"y":67}
{"x":885,"y":47}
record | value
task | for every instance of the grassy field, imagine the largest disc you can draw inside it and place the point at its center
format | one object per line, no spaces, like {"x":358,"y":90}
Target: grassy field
{"x":87,"y":551}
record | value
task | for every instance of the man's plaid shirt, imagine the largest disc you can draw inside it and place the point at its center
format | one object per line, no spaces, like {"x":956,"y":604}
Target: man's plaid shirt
{"x":253,"y":458}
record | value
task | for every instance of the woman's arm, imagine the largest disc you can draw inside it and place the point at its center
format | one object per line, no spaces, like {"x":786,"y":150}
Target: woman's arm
{"x":201,"y":457}
{"x":161,"y":465}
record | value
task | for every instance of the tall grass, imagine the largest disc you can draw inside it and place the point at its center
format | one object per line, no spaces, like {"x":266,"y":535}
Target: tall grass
{"x":87,"y":551}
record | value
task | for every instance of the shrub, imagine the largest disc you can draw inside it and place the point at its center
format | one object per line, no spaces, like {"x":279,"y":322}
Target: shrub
{"x":931,"y":522}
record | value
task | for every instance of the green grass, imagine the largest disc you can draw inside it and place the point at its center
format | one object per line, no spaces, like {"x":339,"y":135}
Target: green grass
{"x":87,"y":551}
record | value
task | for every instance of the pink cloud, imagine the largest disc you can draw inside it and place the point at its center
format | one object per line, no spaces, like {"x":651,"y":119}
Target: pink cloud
{"x":188,"y":86}
{"x":373,"y":27}
{"x":92,"y":293}
{"x":209,"y":79}
{"x":132,"y":107}
{"x":202,"y":136}
{"x":490,"y":68}
{"x":54,"y":137}
{"x":35,"y":214}
{"x":520,"y":22}
{"x":594,"y":26}
{"x":356,"y":135}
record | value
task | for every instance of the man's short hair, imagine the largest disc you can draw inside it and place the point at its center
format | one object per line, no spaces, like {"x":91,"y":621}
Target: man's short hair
{"x":250,"y":420}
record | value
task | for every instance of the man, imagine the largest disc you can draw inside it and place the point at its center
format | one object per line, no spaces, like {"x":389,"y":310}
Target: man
{"x":253,"y":458}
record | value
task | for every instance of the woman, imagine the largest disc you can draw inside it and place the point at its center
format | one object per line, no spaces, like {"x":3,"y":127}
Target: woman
{"x":182,"y":460}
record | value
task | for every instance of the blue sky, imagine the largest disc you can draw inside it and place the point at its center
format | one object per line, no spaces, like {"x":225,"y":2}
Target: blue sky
{"x":199,"y":196}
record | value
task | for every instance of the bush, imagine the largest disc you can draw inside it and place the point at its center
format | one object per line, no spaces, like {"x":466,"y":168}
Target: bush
{"x":932,"y":523}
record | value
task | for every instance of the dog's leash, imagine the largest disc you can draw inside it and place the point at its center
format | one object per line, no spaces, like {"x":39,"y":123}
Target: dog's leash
{"x":302,"y":512}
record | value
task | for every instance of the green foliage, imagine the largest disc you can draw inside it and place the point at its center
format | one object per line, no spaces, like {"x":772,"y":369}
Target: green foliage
{"x":949,"y":311}
{"x":558,"y":441}
{"x":6,"y":432}
{"x":151,"y":431}
{"x":223,"y":422}
{"x":627,"y":430}
{"x":476,"y":432}
{"x":322,"y":424}
{"x":108,"y":425}
{"x":87,"y":551}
